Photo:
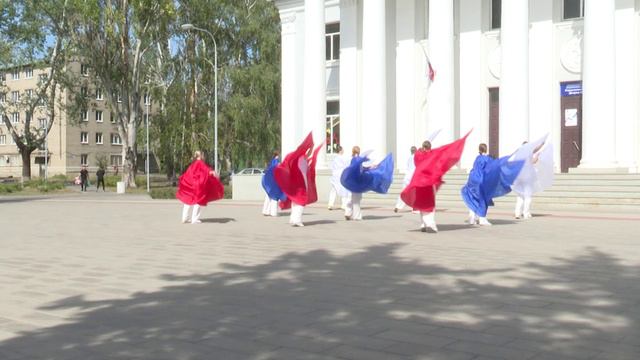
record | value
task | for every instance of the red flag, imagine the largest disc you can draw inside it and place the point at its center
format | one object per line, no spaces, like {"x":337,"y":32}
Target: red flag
{"x":427,"y":178}
{"x":296,"y":174}
{"x":198,"y":186}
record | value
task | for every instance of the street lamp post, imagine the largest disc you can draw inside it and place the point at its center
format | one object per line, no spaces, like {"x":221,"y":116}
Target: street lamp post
{"x":188,"y":27}
{"x":147,"y":102}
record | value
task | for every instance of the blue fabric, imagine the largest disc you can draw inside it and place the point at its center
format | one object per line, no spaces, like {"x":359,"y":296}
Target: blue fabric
{"x":269,"y":183}
{"x":490,"y":178}
{"x":359,"y":179}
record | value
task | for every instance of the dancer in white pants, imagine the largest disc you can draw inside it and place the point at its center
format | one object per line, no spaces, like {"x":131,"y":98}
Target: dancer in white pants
{"x":353,"y":211}
{"x":411,"y":167}
{"x":337,"y":167}
{"x":270,"y":207}
{"x":195,"y":215}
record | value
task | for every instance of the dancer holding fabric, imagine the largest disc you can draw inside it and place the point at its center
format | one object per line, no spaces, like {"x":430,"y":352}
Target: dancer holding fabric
{"x":407,"y":179}
{"x":359,"y":179}
{"x":337,"y":167}
{"x":296,"y":176}
{"x":536,"y":174}
{"x":489,"y":178}
{"x":197,"y":187}
{"x":431,"y":165}
{"x":273,"y":192}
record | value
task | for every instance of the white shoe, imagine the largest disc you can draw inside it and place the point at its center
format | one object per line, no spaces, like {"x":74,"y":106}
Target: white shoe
{"x":484,"y":222}
{"x":471,"y":220}
{"x":433,"y":228}
{"x":298,"y":224}
{"x":527,"y":216}
{"x":185,"y":221}
{"x":196,"y":222}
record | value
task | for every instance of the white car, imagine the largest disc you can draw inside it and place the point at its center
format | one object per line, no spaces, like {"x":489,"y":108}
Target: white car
{"x":250,"y":171}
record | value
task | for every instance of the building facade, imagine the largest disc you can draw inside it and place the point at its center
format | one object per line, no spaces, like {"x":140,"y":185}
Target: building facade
{"x":356,"y":72}
{"x":71,"y":142}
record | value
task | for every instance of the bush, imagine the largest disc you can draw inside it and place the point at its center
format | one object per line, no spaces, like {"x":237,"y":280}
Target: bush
{"x":10,"y":188}
{"x":163,"y":193}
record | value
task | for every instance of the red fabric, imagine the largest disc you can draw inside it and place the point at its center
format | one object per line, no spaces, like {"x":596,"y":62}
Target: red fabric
{"x":291,"y":179}
{"x":427,"y":178}
{"x":198,"y":186}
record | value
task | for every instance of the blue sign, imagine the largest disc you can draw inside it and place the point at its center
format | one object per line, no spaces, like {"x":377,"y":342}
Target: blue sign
{"x":571,"y":89}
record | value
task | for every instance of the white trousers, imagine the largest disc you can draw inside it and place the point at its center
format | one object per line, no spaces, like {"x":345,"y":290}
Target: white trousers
{"x":333,"y":194}
{"x":195,"y":216}
{"x":400,"y":204}
{"x":270,"y":207}
{"x":523,"y":206}
{"x":296,"y":214}
{"x":428,"y":219}
{"x":353,"y":207}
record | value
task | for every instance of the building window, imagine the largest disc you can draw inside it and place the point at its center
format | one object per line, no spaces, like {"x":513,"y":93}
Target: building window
{"x":496,"y":13}
{"x":115,"y":139}
{"x":332,"y":41}
{"x":15,"y":74}
{"x":15,"y":118}
{"x":12,"y":141}
{"x":99,"y":94}
{"x":333,"y":126}
{"x":99,"y":139}
{"x":572,"y":9}
{"x":42,"y":101}
{"x":28,"y":74}
{"x":42,"y":123}
{"x":3,"y":139}
{"x":84,"y":70}
{"x":84,"y":91}
{"x":3,"y":98}
{"x":147,"y":99}
{"x":15,"y":96}
{"x":99,"y":116}
{"x":112,"y":118}
{"x":29,"y":93}
{"x":84,"y":115}
{"x":116,"y":160}
{"x":84,"y":137}
{"x":84,"y":159}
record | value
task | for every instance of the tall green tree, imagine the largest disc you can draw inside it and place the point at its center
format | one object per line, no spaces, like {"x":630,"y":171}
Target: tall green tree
{"x":34,"y":35}
{"x":117,"y":40}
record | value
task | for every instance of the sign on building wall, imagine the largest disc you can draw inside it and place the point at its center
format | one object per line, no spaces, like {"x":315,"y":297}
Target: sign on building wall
{"x":571,"y":89}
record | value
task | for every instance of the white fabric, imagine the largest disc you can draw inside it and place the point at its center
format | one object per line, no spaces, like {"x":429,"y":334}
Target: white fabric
{"x":338,"y":165}
{"x":303,"y":165}
{"x":523,"y":206}
{"x":353,"y":209}
{"x":296,"y":214}
{"x":400,"y":204}
{"x":270,"y":207}
{"x":537,"y":172}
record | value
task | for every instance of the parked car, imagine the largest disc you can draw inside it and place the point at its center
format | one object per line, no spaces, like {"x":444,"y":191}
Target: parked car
{"x":250,"y":171}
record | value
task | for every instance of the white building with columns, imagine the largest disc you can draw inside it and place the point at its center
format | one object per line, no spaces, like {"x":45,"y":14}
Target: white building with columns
{"x":355,"y":73}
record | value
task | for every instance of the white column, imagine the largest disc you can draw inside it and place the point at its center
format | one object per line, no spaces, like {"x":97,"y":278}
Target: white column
{"x":348,"y":74}
{"x":440,"y":100}
{"x":599,"y":85}
{"x":406,"y":81}
{"x":626,"y":97}
{"x":374,"y":82}
{"x":471,"y":80}
{"x":289,"y":125}
{"x":315,"y":103}
{"x":514,"y":75}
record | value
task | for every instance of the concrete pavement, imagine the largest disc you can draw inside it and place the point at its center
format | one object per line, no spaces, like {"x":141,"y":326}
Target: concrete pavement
{"x":86,"y":276}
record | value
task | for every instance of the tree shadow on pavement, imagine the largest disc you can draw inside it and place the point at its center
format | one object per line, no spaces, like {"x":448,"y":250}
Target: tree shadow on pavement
{"x":363,"y":305}
{"x":217,"y":220}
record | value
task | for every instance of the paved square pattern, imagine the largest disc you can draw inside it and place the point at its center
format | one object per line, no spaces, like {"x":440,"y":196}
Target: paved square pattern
{"x":119,"y":277}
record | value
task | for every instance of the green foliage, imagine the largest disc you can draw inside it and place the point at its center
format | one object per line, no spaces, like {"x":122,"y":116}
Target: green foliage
{"x":163,"y":193}
{"x":10,"y":188}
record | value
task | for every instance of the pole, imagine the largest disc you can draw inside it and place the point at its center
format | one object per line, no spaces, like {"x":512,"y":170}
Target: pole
{"x":147,"y":100}
{"x":215,"y":106}
{"x":46,"y":151}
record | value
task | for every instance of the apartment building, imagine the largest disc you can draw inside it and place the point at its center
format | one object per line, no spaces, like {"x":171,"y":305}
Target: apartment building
{"x":73,"y":141}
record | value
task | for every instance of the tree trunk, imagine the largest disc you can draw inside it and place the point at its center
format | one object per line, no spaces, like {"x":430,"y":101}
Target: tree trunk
{"x":129,"y":154}
{"x":26,"y":163}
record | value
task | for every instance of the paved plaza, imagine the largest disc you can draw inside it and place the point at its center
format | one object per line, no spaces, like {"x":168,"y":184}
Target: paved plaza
{"x":85,"y":277}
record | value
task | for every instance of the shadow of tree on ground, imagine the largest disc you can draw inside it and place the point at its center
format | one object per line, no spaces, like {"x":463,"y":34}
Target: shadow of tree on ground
{"x":365,"y":305}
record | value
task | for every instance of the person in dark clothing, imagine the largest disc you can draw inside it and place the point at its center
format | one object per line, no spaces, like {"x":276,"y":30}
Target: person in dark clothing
{"x":84,"y":178}
{"x":100,"y":178}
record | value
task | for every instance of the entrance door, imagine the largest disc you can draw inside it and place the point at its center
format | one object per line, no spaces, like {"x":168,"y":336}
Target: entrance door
{"x":571,"y":126}
{"x":494,"y":121}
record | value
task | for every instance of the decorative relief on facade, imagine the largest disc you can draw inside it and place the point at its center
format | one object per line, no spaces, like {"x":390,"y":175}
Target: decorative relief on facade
{"x":494,"y":61}
{"x":571,"y":54}
{"x":288,"y":23}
